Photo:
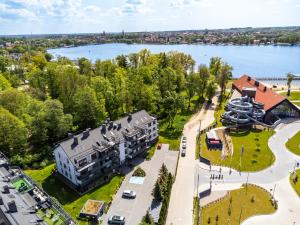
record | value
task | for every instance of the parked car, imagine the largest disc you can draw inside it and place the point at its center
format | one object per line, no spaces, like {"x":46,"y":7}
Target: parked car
{"x":183,"y":150}
{"x":128,"y":194}
{"x":116,"y":219}
{"x":183,"y":139}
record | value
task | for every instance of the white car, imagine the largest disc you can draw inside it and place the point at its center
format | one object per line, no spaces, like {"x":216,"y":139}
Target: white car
{"x":116,"y":219}
{"x":128,"y":194}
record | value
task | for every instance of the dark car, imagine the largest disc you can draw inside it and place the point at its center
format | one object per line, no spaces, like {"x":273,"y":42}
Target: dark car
{"x":116,"y":220}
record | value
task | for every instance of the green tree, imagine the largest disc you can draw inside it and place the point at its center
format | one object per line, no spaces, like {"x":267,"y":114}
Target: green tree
{"x":40,"y":61}
{"x":4,"y":83}
{"x":157,"y":192}
{"x":225,"y":74}
{"x":211,"y":89}
{"x":87,"y":110}
{"x":202,"y":80}
{"x":14,"y":101}
{"x":163,"y":171}
{"x":191,"y":87}
{"x":215,"y":66}
{"x":171,"y":105}
{"x":290,"y":78}
{"x":13,"y":133}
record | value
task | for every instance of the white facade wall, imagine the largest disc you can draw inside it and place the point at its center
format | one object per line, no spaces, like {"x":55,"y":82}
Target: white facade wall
{"x":61,"y":159}
{"x":122,"y":152}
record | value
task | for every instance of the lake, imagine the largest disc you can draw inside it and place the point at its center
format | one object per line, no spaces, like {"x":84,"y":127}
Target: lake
{"x":257,"y":61}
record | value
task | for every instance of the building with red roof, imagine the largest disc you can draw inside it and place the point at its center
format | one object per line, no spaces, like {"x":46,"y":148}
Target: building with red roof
{"x":275,"y":105}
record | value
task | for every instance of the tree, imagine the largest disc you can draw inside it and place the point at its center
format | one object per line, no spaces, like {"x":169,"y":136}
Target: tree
{"x":290,"y":78}
{"x":157,"y":192}
{"x":211,"y":89}
{"x":85,"y":66}
{"x":87,"y":110}
{"x":215,"y":66}
{"x":40,"y":61}
{"x":202,"y":80}
{"x":58,"y":123}
{"x":4,"y":83}
{"x":171,"y":105}
{"x":14,"y":101}
{"x":148,"y":218}
{"x":122,"y":61}
{"x":224,"y":75}
{"x":13,"y":133}
{"x":191,"y":87}
{"x":163,"y":171}
{"x":48,"y":56}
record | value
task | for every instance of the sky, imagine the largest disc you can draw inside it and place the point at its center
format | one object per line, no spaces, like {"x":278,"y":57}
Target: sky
{"x":93,"y":16}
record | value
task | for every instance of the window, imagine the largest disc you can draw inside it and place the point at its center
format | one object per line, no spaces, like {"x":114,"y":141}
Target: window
{"x":82,"y":162}
{"x":149,"y":124}
{"x":58,"y":155}
{"x":94,"y":156}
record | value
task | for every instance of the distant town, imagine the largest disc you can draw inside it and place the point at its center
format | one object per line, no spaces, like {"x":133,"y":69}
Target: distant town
{"x":285,"y":36}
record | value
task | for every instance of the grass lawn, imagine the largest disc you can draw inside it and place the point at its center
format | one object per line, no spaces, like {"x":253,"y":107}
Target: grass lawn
{"x":295,"y":95}
{"x":296,"y":103}
{"x":293,"y":144}
{"x":296,"y":185}
{"x":195,"y":210}
{"x":70,"y":201}
{"x":237,"y":206}
{"x":257,"y":155}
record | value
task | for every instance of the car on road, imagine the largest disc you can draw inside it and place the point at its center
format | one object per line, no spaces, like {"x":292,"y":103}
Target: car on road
{"x":183,"y":139}
{"x":128,"y":194}
{"x":183,"y":150}
{"x":116,"y":219}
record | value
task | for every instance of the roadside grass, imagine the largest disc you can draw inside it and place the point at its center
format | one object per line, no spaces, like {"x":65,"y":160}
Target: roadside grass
{"x":151,"y":152}
{"x":295,"y":95}
{"x":257,"y":155}
{"x":198,"y":145}
{"x":238,"y":205}
{"x":296,"y":103}
{"x":293,"y":144}
{"x":71,"y":201}
{"x":195,"y":211}
{"x":296,"y":184}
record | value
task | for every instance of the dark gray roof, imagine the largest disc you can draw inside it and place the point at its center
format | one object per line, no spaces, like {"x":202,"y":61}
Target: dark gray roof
{"x":24,"y":203}
{"x":115,"y":131}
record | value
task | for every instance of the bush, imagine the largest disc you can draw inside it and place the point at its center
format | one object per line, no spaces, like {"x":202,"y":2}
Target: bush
{"x":139,"y":172}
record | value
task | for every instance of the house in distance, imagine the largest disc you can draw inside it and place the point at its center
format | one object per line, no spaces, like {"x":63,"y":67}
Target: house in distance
{"x":92,"y":157}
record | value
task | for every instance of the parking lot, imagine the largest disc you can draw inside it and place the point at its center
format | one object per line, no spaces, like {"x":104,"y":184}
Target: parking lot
{"x":135,"y":209}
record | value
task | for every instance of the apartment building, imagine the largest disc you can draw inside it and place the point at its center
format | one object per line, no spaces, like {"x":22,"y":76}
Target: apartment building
{"x":93,"y":156}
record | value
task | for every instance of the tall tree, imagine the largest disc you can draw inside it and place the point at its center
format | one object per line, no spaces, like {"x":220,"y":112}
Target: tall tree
{"x":225,"y":74}
{"x":290,"y":78}
{"x":211,"y":89}
{"x":4,"y":83}
{"x":87,"y":110}
{"x":13,"y":133}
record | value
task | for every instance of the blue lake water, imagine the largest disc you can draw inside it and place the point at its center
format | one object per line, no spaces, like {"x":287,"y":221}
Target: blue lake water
{"x":257,"y":61}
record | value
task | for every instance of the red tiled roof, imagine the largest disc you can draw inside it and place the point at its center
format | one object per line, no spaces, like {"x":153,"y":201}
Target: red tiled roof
{"x":263,"y":94}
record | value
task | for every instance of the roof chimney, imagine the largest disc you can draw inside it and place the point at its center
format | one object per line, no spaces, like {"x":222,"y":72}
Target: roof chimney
{"x":265,"y":88}
{"x":75,"y":142}
{"x":129,"y":117}
{"x":249,"y":78}
{"x":12,"y":206}
{"x":256,"y":83}
{"x":5,"y":189}
{"x":85,"y":133}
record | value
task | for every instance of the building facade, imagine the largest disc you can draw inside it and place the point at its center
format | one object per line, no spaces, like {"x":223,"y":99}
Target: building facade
{"x":93,"y":156}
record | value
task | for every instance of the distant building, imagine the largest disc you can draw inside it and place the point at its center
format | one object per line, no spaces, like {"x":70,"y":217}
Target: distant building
{"x":23,"y":202}
{"x":274,"y":105}
{"x":93,"y":156}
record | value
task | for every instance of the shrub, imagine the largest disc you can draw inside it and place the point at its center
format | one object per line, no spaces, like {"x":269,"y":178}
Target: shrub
{"x":139,"y":172}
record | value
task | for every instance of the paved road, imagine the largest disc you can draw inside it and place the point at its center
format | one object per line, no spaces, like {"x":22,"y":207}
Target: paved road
{"x":181,"y":202}
{"x":135,"y":209}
